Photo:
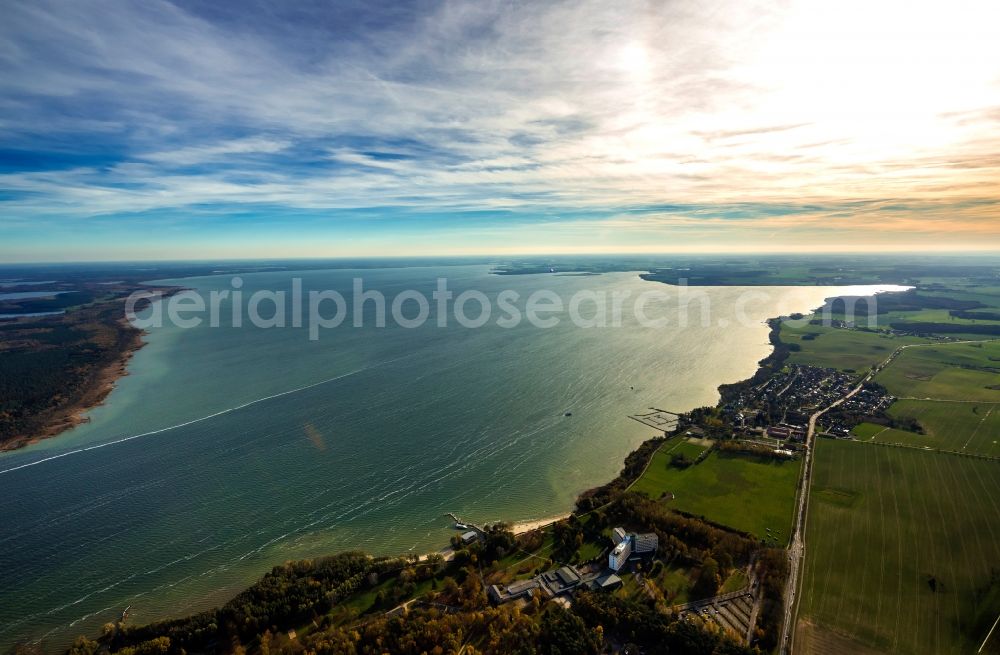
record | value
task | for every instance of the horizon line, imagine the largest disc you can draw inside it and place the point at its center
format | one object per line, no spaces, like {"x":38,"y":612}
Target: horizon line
{"x":485,"y":256}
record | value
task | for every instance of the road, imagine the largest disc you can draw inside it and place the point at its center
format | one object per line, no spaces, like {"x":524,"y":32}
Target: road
{"x":797,"y":546}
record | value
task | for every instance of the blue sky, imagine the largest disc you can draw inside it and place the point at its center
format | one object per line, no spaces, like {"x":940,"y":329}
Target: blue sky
{"x":244,"y":129}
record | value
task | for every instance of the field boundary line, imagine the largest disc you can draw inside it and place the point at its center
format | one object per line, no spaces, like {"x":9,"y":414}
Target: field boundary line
{"x":946,"y":400}
{"x":978,"y":427}
{"x":885,"y":429}
{"x":650,"y":463}
{"x":989,"y":634}
{"x":927,"y":449}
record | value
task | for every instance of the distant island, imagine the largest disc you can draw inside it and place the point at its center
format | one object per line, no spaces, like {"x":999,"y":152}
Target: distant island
{"x":61,"y":354}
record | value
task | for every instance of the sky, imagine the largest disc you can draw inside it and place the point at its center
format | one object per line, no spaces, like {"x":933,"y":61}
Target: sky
{"x":194,"y":129}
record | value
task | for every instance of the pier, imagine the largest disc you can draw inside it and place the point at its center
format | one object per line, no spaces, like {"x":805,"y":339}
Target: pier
{"x":470,"y":526}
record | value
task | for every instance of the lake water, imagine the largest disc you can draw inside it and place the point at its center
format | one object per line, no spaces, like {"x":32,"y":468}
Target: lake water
{"x":25,"y":295}
{"x":17,"y":283}
{"x":259,"y":445}
{"x":33,"y":314}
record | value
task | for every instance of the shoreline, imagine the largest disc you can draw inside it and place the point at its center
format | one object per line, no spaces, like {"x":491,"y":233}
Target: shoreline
{"x":518,"y":528}
{"x":63,"y":419}
{"x":522,"y":527}
{"x":118,"y":368}
{"x":642,"y":454}
{"x":765,"y":367}
{"x":58,"y":420}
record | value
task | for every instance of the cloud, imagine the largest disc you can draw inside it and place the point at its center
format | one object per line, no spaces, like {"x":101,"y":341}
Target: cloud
{"x":567,"y":109}
{"x":217,"y":152}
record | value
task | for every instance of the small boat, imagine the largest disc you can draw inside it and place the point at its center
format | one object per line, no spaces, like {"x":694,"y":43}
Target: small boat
{"x":461,"y":526}
{"x":568,"y":414}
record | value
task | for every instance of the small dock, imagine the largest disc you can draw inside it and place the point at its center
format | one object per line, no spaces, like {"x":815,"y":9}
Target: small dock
{"x":469,"y":525}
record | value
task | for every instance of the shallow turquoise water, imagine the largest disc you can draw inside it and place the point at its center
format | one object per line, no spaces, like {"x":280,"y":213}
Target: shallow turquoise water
{"x":376,"y":433}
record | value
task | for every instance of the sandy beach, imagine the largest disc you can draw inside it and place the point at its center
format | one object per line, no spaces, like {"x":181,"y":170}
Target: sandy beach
{"x":527,"y":526}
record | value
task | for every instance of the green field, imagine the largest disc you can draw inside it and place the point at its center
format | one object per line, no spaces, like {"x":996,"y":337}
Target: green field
{"x":988,"y":295}
{"x":690,"y":448}
{"x":931,"y":316}
{"x":839,"y":348}
{"x":972,"y":428}
{"x":736,"y":581}
{"x":946,"y":372}
{"x":969,"y":427}
{"x":883,"y":523}
{"x":741,"y":492}
{"x":867,"y":430}
{"x":883,"y":434}
{"x":674,"y":583}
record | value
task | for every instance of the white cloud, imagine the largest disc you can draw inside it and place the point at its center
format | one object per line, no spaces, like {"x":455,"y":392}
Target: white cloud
{"x":559,"y":107}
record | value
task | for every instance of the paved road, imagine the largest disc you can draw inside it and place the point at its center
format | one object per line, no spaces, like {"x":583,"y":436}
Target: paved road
{"x":797,"y":547}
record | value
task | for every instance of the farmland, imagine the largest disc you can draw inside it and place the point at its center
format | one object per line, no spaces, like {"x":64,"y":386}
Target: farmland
{"x":965,"y":426}
{"x":886,"y":435}
{"x":829,"y":347}
{"x":904,"y":551}
{"x":742,"y":492}
{"x":958,"y":426}
{"x":969,"y":371}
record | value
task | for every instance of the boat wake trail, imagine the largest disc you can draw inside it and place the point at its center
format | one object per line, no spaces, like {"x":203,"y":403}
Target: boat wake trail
{"x":200,"y":419}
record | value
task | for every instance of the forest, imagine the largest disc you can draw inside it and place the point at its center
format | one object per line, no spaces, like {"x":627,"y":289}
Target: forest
{"x":50,"y":367}
{"x":434,"y":605}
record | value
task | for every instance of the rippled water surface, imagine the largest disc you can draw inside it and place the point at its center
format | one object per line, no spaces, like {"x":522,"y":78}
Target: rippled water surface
{"x":228,"y":450}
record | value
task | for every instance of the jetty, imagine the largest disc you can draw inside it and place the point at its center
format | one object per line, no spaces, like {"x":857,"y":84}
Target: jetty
{"x":466,"y":525}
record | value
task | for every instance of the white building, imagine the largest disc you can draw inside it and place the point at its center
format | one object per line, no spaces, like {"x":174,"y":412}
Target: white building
{"x":618,"y":556}
{"x":618,"y":535}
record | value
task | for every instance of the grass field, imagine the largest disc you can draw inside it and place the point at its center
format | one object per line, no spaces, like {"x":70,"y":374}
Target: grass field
{"x":883,"y":434}
{"x":931,"y":316}
{"x":946,"y":372}
{"x":736,"y":581}
{"x":842,"y":349}
{"x":883,"y":523}
{"x":744,"y":493}
{"x":590,"y":550}
{"x":867,"y":430}
{"x":971,"y":427}
{"x":675,"y":584}
{"x":948,"y":426}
